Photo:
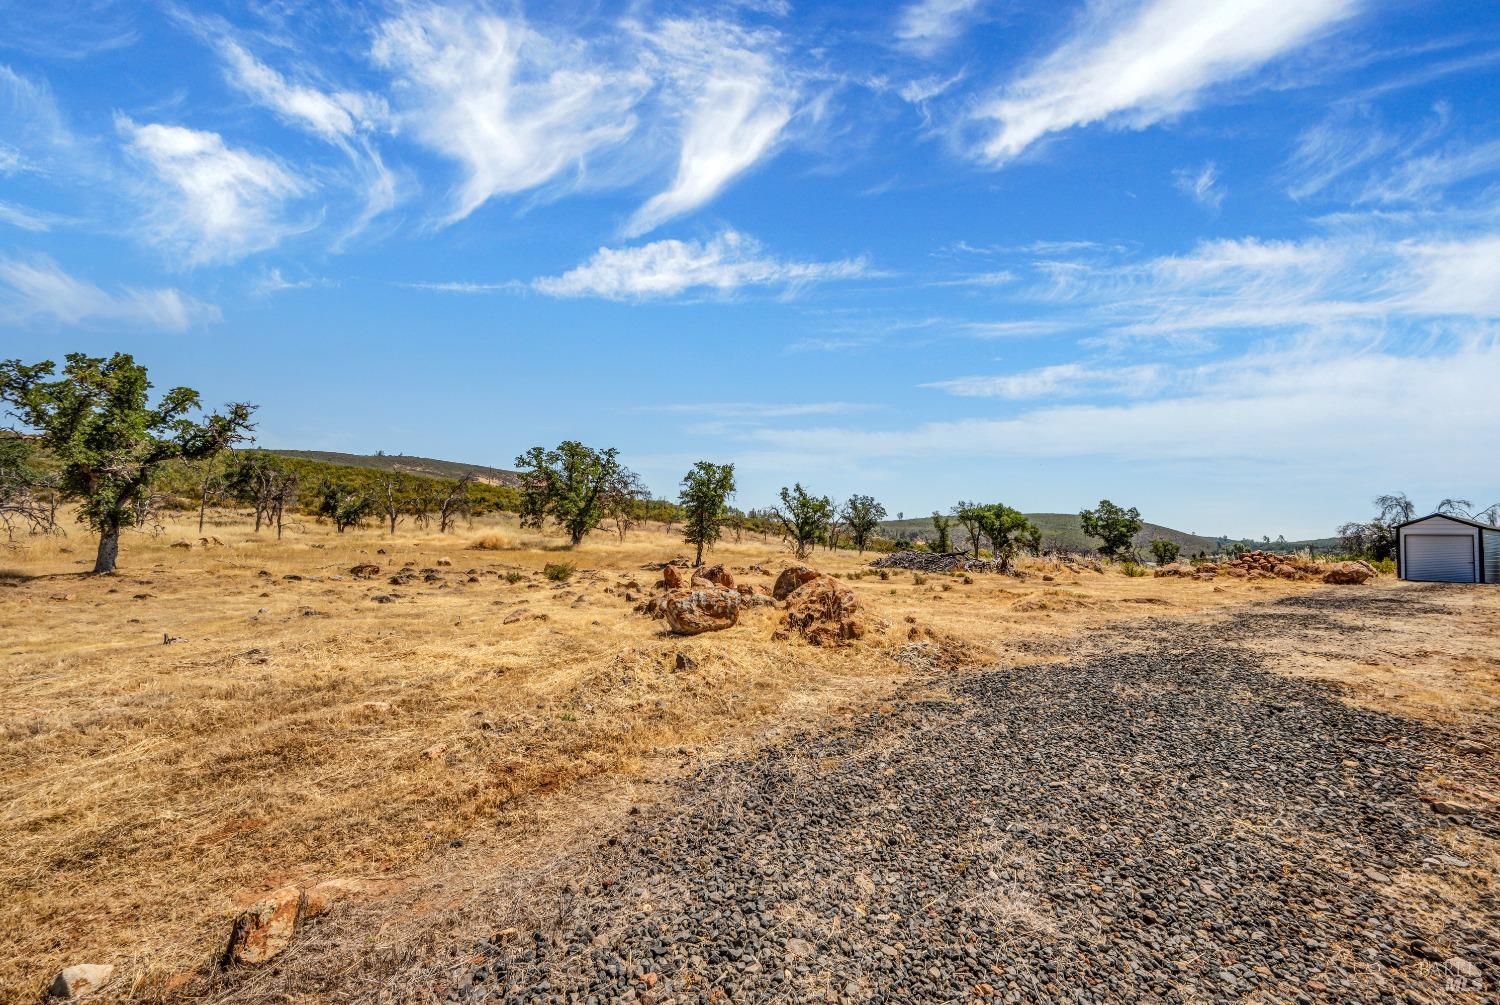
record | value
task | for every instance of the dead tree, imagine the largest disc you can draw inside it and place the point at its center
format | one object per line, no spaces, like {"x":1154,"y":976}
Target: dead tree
{"x":455,"y":504}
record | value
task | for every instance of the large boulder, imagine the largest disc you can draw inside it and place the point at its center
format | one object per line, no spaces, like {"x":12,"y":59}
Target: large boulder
{"x":792,"y":578}
{"x":693,"y":612}
{"x":824,"y":611}
{"x":265,"y":928}
{"x":672,"y":576}
{"x":80,"y":979}
{"x":1349,"y":573}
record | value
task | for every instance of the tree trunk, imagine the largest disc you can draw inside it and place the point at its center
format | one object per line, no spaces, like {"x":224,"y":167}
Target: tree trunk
{"x":109,"y":550}
{"x":698,"y":560}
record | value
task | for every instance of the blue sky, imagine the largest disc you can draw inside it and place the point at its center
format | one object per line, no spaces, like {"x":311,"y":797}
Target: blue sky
{"x":1235,"y":263}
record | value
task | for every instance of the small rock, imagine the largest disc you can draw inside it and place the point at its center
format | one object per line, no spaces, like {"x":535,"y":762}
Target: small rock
{"x":81,"y":979}
{"x":265,"y":928}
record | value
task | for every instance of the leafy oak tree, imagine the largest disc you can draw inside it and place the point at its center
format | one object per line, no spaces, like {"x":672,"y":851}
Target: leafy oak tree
{"x":1009,"y":532}
{"x":705,"y":504}
{"x":111,"y":445}
{"x":1115,"y":527}
{"x":861,"y":515}
{"x":804,"y":518}
{"x":1165,"y":552}
{"x":573,"y":485}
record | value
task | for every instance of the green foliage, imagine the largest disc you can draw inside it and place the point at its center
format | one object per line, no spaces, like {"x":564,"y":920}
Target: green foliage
{"x":861,"y":515}
{"x":1165,"y":552}
{"x":1008,"y":530}
{"x":558,"y":572}
{"x":1133,"y":569}
{"x":705,"y":504}
{"x":942,"y":527}
{"x":344,"y":506}
{"x":28,"y":490}
{"x":574,"y":485}
{"x":1115,"y":527}
{"x":95,"y":420}
{"x":513,"y":577}
{"x":804,"y":518}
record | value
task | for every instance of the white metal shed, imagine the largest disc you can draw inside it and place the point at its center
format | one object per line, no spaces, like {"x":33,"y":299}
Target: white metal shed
{"x":1447,"y":549}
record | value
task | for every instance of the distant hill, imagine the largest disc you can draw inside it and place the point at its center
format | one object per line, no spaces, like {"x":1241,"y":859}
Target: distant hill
{"x":426,"y":467}
{"x":1063,"y":532}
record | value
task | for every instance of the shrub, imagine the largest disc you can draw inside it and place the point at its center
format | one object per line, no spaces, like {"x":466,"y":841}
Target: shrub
{"x":513,"y":577}
{"x":885,"y":574}
{"x":918,"y":579}
{"x":558,"y":572}
{"x":493,"y":542}
{"x":1133,"y":569}
{"x":968,"y":580}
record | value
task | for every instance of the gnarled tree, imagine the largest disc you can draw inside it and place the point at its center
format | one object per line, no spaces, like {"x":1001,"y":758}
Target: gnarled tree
{"x":572,"y":485}
{"x":804,"y":518}
{"x":111,"y":445}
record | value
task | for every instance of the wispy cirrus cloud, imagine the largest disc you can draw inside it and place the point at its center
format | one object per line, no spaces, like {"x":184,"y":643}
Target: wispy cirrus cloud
{"x":1134,"y":65}
{"x":210,"y":202}
{"x":739,"y":101}
{"x":926,"y":27}
{"x":722,"y":264}
{"x":1062,"y":380}
{"x":514,"y":108}
{"x":1202,"y":185}
{"x":38,"y":291}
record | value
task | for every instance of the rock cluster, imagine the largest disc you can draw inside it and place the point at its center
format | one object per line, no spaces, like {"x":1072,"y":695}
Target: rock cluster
{"x":1269,"y":565}
{"x":937,"y":562}
{"x":819,"y":608}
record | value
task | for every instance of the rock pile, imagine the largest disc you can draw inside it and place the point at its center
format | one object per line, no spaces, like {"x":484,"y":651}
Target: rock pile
{"x":928,"y":561}
{"x":1269,"y":565}
{"x":819,"y":608}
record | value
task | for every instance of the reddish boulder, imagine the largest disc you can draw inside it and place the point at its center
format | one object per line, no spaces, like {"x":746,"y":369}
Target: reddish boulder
{"x":718,"y":575}
{"x":824,"y":611}
{"x":672,"y":576}
{"x":1350,"y":573}
{"x":697,"y":611}
{"x":792,"y":578}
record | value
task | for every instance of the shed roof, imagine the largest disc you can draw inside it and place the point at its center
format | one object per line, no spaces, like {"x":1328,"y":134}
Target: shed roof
{"x":1445,"y":516}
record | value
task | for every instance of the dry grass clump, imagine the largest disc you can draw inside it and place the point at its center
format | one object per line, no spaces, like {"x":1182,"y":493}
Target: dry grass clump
{"x":493,"y":542}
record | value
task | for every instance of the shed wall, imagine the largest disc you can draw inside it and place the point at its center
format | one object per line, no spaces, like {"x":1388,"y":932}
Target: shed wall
{"x":1491,"y":556}
{"x":1442,"y":527}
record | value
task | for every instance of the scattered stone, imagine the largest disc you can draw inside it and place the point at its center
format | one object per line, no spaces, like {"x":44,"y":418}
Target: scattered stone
{"x":383,"y":598}
{"x":435,"y":751}
{"x":685,"y":662}
{"x":81,"y":979}
{"x":522,"y":614}
{"x":365,"y":570}
{"x":445,"y":561}
{"x":715,"y":575}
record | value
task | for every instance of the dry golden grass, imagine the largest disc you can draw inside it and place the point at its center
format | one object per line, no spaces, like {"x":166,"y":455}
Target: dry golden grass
{"x":297,"y":730}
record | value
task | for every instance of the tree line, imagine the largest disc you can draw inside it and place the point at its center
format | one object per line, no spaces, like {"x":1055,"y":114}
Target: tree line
{"x":96,"y":440}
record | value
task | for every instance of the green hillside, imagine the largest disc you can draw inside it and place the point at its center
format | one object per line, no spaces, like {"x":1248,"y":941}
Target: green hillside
{"x":424,"y":467}
{"x":1063,"y":532}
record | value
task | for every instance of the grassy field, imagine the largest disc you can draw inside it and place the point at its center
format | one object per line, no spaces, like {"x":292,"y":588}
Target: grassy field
{"x":231,"y":714}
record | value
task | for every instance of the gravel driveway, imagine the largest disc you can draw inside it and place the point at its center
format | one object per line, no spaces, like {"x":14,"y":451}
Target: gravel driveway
{"x":1159,"y":819}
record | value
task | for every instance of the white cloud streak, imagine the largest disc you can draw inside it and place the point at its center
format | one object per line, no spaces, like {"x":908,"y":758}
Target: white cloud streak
{"x":926,"y":27}
{"x":1202,"y":185}
{"x":514,"y":108}
{"x":1133,"y":65}
{"x":741,"y":104}
{"x":40,"y":292}
{"x":211,"y":202}
{"x":668,"y":268}
{"x":1059,"y":381}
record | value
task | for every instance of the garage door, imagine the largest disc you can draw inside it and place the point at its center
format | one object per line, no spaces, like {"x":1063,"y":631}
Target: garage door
{"x":1440,"y":558}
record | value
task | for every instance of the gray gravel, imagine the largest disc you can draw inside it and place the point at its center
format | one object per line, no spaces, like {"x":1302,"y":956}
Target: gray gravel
{"x":1163,"y":822}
